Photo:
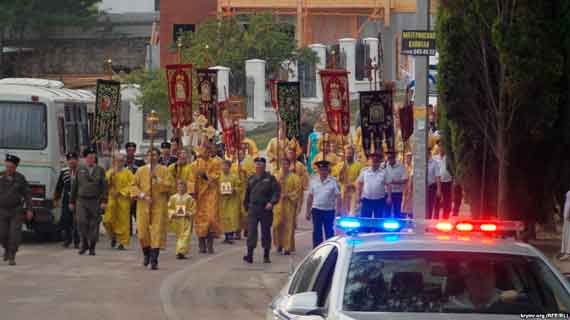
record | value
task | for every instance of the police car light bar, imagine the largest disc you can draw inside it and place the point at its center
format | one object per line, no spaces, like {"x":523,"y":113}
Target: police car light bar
{"x":372,"y":225}
{"x":484,"y":226}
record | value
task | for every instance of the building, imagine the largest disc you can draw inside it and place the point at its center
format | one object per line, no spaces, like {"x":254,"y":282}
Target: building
{"x":178,"y":16}
{"x":129,"y":6}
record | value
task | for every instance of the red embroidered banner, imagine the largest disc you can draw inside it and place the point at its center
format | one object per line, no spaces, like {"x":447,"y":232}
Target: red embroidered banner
{"x":228,"y":126}
{"x":179,"y":77}
{"x":336,"y":99}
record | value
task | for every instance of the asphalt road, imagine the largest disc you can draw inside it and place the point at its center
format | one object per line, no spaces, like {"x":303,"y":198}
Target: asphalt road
{"x":52,"y":283}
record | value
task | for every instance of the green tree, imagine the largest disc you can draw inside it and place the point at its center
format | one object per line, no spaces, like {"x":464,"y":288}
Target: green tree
{"x":226,"y":42}
{"x":24,"y":19}
{"x":504,"y":90}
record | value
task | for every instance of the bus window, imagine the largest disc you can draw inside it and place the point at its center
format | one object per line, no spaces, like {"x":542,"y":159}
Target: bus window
{"x":23,"y":125}
{"x":61,"y":135}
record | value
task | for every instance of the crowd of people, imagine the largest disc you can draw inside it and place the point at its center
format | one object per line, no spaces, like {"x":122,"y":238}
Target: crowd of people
{"x":207,"y":192}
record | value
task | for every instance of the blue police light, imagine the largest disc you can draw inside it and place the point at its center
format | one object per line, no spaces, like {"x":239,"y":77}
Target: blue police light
{"x":391,"y":225}
{"x":349,"y":223}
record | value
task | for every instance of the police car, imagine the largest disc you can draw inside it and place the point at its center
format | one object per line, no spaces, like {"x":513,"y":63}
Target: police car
{"x":401,"y":269}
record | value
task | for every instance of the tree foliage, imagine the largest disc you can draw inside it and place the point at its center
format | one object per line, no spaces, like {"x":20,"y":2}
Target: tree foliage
{"x":227,"y":42}
{"x":504,"y":101}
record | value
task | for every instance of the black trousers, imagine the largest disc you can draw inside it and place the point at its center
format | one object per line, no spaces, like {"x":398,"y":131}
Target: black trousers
{"x":445,"y":201}
{"x":68,"y":223}
{"x":432,"y":198}
{"x":259,"y":215}
{"x":11,"y":229}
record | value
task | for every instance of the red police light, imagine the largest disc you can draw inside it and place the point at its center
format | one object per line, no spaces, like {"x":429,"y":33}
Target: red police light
{"x":463,"y":226}
{"x":444,"y":226}
{"x":488,"y":227}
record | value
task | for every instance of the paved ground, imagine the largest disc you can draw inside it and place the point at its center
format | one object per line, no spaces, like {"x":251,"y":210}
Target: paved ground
{"x":55,"y":283}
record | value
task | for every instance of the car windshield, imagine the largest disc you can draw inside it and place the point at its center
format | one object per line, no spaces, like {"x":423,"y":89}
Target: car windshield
{"x":452,"y":282}
{"x":22,"y":126}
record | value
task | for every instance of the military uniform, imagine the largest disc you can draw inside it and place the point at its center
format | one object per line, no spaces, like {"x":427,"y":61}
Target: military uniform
{"x":14,"y":192}
{"x":87,"y":194}
{"x":261,"y":190}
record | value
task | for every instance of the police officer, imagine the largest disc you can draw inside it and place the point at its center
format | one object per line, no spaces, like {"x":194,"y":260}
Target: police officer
{"x":89,"y":196}
{"x":14,"y":191}
{"x":263,"y":192}
{"x":67,"y":223}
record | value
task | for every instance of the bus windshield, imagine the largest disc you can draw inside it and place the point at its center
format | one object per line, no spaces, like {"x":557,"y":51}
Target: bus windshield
{"x":23,"y":126}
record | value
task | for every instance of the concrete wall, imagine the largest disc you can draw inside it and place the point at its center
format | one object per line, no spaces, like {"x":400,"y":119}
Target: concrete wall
{"x":124,"y":6}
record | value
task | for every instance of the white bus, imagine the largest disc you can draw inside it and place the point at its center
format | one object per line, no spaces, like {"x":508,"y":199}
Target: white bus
{"x":40,"y":121}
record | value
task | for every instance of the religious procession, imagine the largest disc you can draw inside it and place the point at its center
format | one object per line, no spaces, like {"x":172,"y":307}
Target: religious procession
{"x":211,"y":181}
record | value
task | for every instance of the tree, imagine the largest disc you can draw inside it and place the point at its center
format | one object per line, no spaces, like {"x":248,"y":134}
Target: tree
{"x":503,"y":87}
{"x":21,"y":19}
{"x":225,"y":42}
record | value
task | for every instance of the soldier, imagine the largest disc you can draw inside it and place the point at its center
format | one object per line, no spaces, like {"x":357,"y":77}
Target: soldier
{"x":263,"y":193}
{"x":67,"y":222}
{"x":166,"y":158}
{"x":14,"y":190}
{"x":89,"y":196}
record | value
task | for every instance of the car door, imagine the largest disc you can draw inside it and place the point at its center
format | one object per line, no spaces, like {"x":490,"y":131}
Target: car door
{"x":314,"y":274}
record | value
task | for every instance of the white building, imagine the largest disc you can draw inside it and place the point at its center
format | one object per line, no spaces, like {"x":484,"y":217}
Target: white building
{"x":129,"y":6}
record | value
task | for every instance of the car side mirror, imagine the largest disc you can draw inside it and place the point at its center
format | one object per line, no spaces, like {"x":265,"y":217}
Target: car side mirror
{"x":302,"y":303}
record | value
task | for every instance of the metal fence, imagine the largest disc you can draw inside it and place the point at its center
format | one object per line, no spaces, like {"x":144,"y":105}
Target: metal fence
{"x":308,"y":79}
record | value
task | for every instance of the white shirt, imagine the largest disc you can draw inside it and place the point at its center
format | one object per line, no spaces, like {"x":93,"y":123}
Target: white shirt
{"x":324,"y":193}
{"x":397,"y":173}
{"x":433,"y":171}
{"x":443,"y":172}
{"x":374,"y":183}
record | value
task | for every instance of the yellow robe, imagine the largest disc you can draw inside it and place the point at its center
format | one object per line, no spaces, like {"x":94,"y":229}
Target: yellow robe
{"x":331,"y":157}
{"x":300,"y":170}
{"x":252,"y":150}
{"x":275,"y":150}
{"x":284,"y":215}
{"x":178,"y":172}
{"x":347,"y":174}
{"x":361,"y":156}
{"x":151,"y":221}
{"x":182,"y":224}
{"x":230,"y":206}
{"x":247,"y":170}
{"x":207,"y":195}
{"x":117,"y":218}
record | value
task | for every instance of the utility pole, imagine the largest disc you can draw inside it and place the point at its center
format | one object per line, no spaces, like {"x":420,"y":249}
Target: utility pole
{"x":420,"y":117}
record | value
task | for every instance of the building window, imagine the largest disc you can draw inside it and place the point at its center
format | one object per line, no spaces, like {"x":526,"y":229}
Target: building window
{"x":156,"y":5}
{"x":179,"y":29}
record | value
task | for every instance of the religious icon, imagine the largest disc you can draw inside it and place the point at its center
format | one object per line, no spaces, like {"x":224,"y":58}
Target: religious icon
{"x":180,"y":88}
{"x":376,"y":114}
{"x":335,"y":96}
{"x":226,"y":188}
{"x":180,"y":210}
{"x":206,"y":92}
{"x":105,"y":103}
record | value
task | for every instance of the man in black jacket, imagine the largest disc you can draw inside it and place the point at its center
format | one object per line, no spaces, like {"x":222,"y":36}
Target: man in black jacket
{"x":67,"y":222}
{"x":263,"y":192}
{"x":14,"y":192}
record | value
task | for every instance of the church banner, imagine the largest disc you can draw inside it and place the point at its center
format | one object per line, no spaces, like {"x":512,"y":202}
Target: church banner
{"x":336,"y":99}
{"x":406,"y":114}
{"x":179,"y":77}
{"x":289,"y":102}
{"x":107,"y":111}
{"x":376,"y":121}
{"x":208,"y":94}
{"x":273,"y":90}
{"x":229,"y":126}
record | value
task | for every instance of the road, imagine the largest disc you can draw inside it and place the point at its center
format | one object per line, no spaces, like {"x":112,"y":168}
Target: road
{"x":57,"y":284}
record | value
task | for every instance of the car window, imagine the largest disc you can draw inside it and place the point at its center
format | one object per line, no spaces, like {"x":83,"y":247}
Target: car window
{"x":323,"y":282}
{"x":304,"y":278}
{"x":451,"y":282}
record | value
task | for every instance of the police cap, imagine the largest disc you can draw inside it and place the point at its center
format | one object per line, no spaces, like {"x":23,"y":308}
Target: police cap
{"x":323,"y":164}
{"x":12,"y":158}
{"x":165,"y":145}
{"x":130,"y":145}
{"x":260,"y":160}
{"x":72,"y":155}
{"x":89,"y":151}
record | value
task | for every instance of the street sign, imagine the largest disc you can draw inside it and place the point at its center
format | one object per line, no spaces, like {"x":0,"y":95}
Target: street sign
{"x":418,"y":43}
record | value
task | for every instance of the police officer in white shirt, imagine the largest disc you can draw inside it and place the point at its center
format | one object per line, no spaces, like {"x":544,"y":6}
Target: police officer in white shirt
{"x":399,"y":178}
{"x":373,"y":185}
{"x":434,"y":186}
{"x":324,"y":198}
{"x":443,"y":202}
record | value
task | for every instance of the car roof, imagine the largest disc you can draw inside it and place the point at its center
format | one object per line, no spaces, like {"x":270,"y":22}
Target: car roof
{"x":435,"y":242}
